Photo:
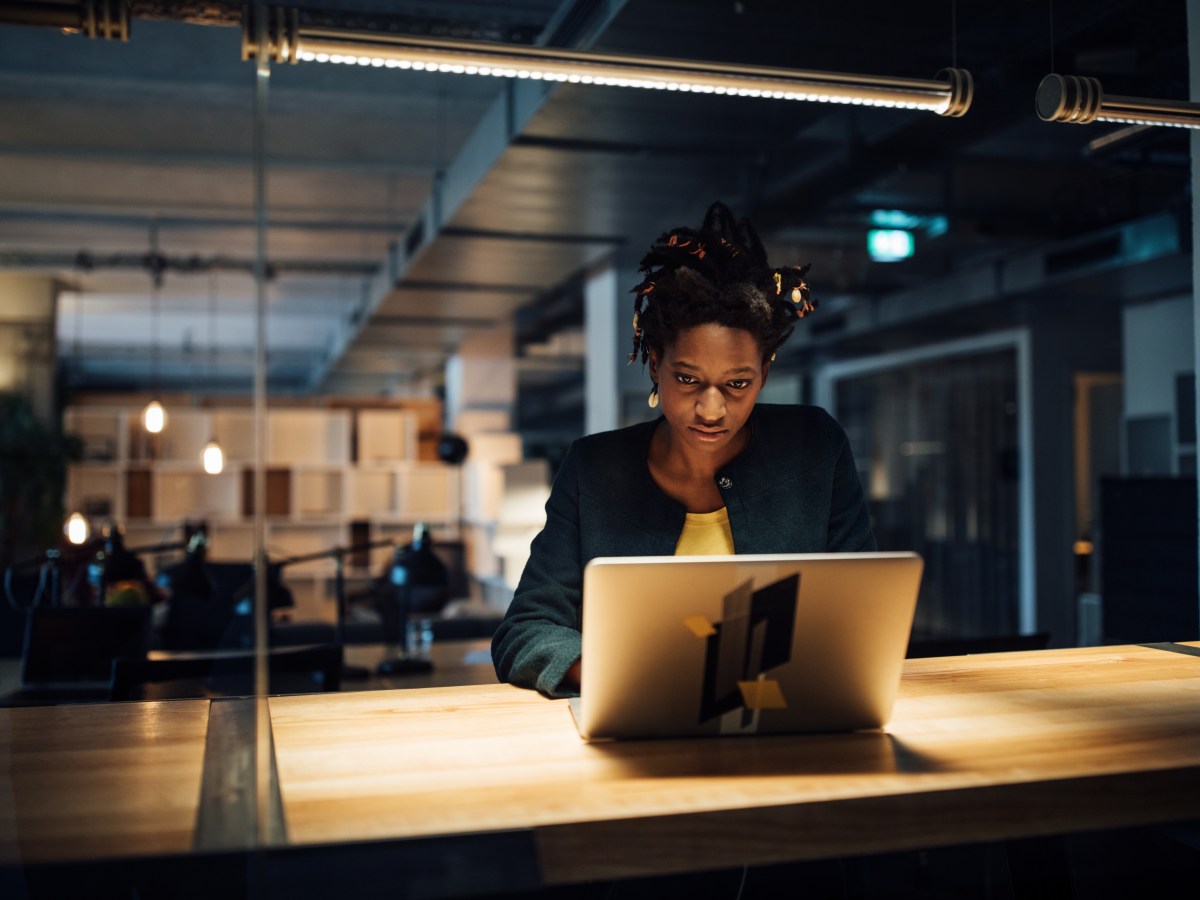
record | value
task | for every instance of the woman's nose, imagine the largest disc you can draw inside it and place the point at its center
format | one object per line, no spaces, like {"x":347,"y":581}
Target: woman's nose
{"x":711,"y":405}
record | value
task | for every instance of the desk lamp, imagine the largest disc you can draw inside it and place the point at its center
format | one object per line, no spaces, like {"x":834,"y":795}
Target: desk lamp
{"x":413,"y":566}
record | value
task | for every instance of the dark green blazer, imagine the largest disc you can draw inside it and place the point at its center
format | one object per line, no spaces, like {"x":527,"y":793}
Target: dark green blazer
{"x":794,"y":489}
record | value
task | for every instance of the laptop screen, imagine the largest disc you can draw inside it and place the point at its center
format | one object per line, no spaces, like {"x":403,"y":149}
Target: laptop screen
{"x":76,"y":645}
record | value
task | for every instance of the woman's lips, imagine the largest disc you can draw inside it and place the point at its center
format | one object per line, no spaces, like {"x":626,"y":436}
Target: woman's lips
{"x":708,"y":434}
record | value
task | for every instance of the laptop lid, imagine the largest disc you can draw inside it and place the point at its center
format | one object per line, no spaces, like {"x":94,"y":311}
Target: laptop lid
{"x":676,"y":646}
{"x":72,"y":648}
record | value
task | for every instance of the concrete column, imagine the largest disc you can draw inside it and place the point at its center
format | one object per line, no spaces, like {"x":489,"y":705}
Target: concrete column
{"x":28,"y":354}
{"x":601,"y":311}
{"x":615,"y":391}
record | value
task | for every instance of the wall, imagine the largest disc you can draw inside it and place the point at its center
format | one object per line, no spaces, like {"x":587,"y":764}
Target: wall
{"x":1067,"y":338}
{"x":1158,"y":348}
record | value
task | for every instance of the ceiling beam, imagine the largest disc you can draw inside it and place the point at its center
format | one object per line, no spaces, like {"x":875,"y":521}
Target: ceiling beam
{"x":576,"y":23}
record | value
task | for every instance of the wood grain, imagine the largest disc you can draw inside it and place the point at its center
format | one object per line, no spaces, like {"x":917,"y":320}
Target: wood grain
{"x":100,"y":780}
{"x":979,"y":747}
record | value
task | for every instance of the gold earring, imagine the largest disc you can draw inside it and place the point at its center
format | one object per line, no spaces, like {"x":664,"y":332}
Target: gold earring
{"x":652,"y":400}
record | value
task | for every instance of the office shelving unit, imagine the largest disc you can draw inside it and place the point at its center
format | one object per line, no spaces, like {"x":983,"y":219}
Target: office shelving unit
{"x":332,"y":475}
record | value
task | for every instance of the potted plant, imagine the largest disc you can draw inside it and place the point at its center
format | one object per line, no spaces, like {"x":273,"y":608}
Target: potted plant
{"x":33,"y":460}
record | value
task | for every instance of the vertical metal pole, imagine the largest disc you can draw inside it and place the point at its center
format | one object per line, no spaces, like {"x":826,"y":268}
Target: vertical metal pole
{"x":262,"y":778}
{"x":1193,"y":29}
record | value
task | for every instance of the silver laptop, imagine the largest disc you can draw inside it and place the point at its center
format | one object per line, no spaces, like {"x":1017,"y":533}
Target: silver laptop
{"x":731,"y":645}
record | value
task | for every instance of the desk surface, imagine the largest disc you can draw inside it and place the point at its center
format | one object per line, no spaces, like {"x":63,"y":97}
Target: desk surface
{"x":97,"y":781}
{"x":979,"y":748}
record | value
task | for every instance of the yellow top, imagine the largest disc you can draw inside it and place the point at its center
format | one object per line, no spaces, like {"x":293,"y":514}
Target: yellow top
{"x":706,"y":534}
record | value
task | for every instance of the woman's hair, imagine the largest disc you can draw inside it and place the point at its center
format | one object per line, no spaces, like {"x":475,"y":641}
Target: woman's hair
{"x":717,"y":273}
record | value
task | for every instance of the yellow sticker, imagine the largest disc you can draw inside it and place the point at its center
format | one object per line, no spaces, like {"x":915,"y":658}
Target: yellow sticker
{"x":699,"y":626}
{"x":764,"y":694}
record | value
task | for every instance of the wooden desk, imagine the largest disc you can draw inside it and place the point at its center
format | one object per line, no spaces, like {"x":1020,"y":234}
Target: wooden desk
{"x":100,"y":781}
{"x":489,"y":787}
{"x":980,"y":748}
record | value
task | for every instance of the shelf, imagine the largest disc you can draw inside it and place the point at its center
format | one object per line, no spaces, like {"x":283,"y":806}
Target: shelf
{"x":297,"y":437}
{"x":317,"y":492}
{"x":335,"y":478}
{"x":427,"y":492}
{"x":386,"y":436}
{"x":101,"y":433}
{"x":193,"y":495}
{"x":183,"y":440}
{"x":370,"y":492}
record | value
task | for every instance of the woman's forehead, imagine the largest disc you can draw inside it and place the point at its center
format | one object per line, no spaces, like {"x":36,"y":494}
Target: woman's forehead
{"x":712,"y":342}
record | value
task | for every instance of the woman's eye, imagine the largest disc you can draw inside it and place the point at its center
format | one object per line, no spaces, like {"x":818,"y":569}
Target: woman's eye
{"x":739,"y":384}
{"x":685,"y":379}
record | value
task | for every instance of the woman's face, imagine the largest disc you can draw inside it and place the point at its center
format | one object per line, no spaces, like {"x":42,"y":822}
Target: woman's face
{"x":708,"y":382}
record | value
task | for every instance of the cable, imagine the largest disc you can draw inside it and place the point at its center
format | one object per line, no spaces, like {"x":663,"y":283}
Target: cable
{"x":37,"y":594}
{"x":742,"y":886}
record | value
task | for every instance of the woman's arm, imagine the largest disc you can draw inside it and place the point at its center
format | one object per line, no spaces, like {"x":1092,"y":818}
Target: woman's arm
{"x":538,"y":643}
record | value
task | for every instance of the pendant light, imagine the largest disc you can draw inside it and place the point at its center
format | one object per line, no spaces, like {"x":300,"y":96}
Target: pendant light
{"x":212,"y":457}
{"x":291,"y":41}
{"x":154,"y":417}
{"x":77,"y":529}
{"x":1081,"y":100}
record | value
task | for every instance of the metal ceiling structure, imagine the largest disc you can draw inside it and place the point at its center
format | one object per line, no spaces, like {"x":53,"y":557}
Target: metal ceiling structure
{"x":410,"y":210}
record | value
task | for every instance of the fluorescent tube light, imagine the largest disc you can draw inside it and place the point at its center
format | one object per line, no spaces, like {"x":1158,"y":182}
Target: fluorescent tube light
{"x":1081,"y":100}
{"x":949,"y":94}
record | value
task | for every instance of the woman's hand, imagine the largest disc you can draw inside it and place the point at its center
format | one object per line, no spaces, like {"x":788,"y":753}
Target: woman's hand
{"x":571,"y":679}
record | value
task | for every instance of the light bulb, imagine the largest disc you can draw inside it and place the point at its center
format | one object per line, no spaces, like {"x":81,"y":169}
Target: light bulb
{"x":77,"y":529}
{"x":154,"y":417}
{"x":213,"y":458}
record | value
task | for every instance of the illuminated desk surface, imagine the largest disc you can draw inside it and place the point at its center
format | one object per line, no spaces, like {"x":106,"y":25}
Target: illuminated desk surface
{"x":980,"y":748}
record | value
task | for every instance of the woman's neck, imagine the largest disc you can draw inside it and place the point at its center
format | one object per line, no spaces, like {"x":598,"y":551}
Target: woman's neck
{"x":688,"y":477}
{"x":680,"y":462}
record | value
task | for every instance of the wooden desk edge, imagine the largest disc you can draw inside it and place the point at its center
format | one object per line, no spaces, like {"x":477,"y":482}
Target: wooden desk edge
{"x":863,"y":826}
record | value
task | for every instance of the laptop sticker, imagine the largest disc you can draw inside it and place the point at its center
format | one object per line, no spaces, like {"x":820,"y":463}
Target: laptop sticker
{"x":753,"y":636}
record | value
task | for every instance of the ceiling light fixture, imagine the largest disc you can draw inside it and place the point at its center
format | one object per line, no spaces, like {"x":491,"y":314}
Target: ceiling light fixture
{"x":948,"y":95}
{"x":1081,"y":100}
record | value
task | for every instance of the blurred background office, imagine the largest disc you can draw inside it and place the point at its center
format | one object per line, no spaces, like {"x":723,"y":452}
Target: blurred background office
{"x":1006,"y":303}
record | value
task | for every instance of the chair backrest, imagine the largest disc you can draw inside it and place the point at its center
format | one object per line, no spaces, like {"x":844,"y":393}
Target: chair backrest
{"x":291,"y":670}
{"x":67,"y":646}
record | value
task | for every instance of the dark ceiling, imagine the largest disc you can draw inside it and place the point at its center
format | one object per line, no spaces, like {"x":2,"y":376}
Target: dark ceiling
{"x":408,"y":211}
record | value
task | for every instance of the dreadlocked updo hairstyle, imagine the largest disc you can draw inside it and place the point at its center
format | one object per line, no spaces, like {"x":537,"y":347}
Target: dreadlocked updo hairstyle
{"x":719,"y":274}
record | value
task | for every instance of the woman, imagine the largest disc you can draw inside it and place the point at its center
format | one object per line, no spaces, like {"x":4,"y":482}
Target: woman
{"x":716,"y":473}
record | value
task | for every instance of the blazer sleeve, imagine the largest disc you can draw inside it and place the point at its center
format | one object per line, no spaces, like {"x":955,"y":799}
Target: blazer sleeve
{"x":539,"y":638}
{"x":849,"y":520}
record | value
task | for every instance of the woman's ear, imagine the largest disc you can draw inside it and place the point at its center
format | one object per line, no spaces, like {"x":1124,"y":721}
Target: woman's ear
{"x":653,"y":359}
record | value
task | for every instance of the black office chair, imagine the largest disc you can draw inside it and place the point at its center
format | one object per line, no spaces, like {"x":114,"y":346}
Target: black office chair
{"x":291,"y":670}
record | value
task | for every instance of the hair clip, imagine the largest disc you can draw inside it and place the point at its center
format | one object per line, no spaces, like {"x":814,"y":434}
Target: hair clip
{"x":779,"y":285}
